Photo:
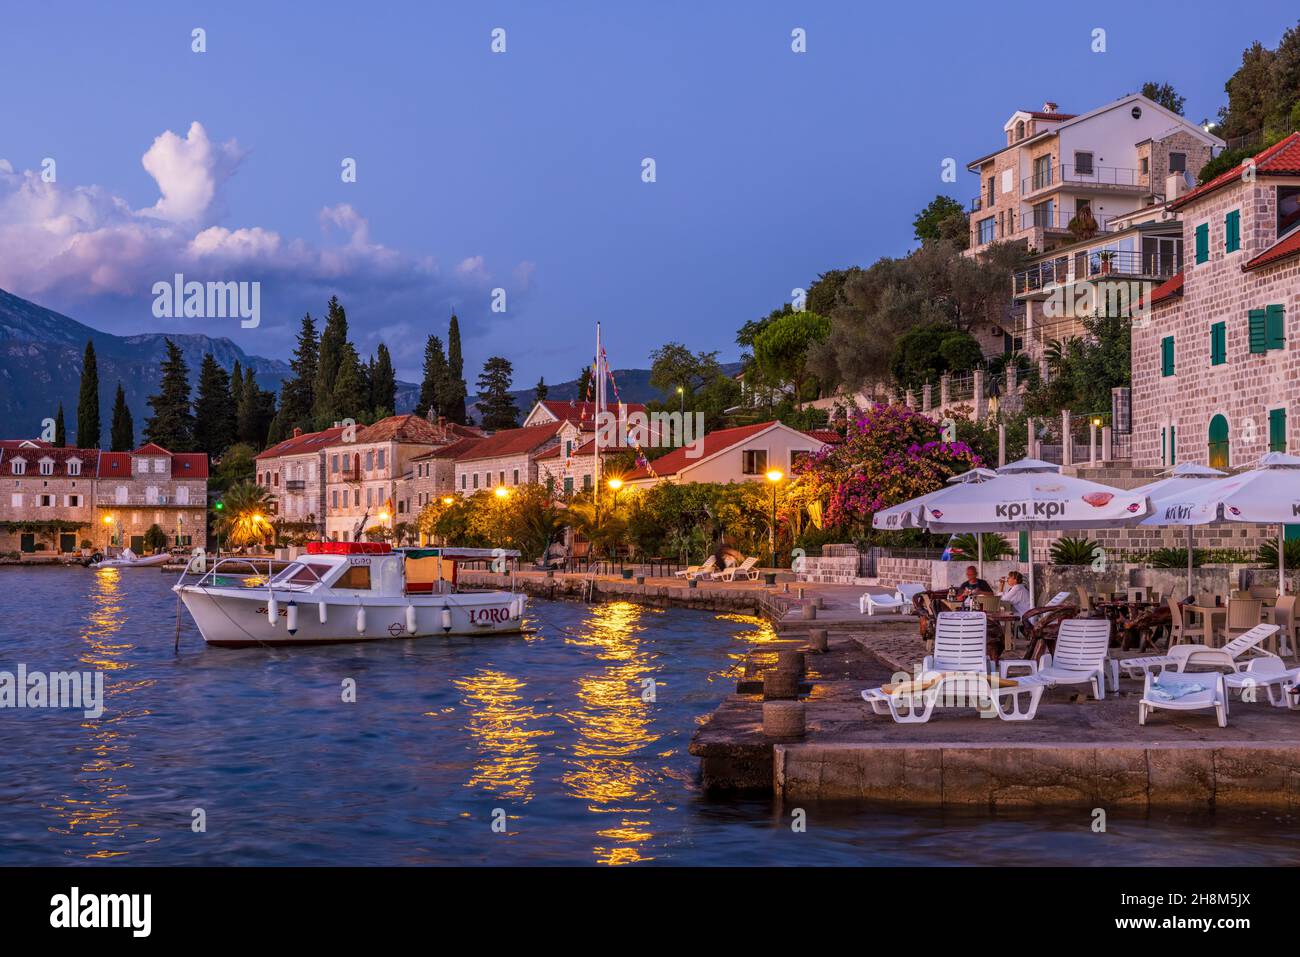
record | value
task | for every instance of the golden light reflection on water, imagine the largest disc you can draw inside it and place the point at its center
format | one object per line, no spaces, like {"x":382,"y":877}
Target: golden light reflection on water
{"x":501,"y":725}
{"x":94,"y":817}
{"x":757,"y":631}
{"x":614,"y":723}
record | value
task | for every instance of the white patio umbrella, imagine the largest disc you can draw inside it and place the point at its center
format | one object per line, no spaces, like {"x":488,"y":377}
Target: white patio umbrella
{"x":1031,"y":495}
{"x":1268,"y":494}
{"x":1172,"y":500}
{"x":906,"y":514}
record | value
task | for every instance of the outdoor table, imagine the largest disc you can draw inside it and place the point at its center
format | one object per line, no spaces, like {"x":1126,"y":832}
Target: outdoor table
{"x":1007,"y":619}
{"x":1210,"y":613}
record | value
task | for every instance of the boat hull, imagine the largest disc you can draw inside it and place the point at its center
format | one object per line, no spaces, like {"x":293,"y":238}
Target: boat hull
{"x":235,"y":618}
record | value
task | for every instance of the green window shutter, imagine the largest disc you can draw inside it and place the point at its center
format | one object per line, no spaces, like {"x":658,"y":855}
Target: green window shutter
{"x":1218,"y":344}
{"x":1258,"y":337}
{"x":1202,"y":242}
{"x":1167,"y":355}
{"x":1173,"y":445}
{"x":1218,"y":443}
{"x":1232,"y":231}
{"x":1274,"y":326}
{"x":1277,"y":430}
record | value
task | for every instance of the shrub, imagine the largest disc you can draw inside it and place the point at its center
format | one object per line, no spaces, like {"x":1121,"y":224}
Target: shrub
{"x":995,"y":546}
{"x":1074,"y":551}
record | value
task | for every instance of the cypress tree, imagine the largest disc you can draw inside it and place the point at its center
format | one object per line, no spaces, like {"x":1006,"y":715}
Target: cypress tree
{"x":383,"y":383}
{"x":122,"y":433}
{"x":172,"y":422}
{"x":88,"y":401}
{"x":456,"y":389}
{"x":214,"y":409}
{"x":60,"y":431}
{"x":433,"y":388}
{"x":333,"y":340}
{"x":541,"y":390}
{"x":350,"y":395}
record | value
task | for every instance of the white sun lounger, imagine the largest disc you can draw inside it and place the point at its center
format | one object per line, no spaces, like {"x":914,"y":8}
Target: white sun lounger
{"x":698,"y":571}
{"x":1270,"y":673}
{"x":745,"y":569}
{"x":900,"y":600}
{"x":1179,"y":657}
{"x":1080,"y":656}
{"x":1211,"y":693}
{"x":913,"y":702}
{"x":960,"y":643}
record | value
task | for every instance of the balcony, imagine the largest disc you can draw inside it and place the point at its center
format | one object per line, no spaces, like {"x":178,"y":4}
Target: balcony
{"x":295,"y":485}
{"x":350,"y":475}
{"x":1091,"y":178}
{"x":1056,"y":221}
{"x":1096,"y":264}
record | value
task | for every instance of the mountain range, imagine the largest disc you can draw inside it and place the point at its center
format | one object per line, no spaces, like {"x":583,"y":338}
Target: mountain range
{"x":40,"y":366}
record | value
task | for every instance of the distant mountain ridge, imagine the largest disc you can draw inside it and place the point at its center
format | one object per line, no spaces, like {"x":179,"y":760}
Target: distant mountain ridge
{"x":40,"y":366}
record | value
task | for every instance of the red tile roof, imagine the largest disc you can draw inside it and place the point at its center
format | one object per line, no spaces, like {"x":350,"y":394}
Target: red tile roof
{"x":116,"y":464}
{"x":1284,"y":248}
{"x":452,"y":451}
{"x":410,"y":429}
{"x":714,"y":442}
{"x":21,"y":443}
{"x":1167,"y":290}
{"x":190,"y":465}
{"x":303,"y":444}
{"x":60,"y":456}
{"x":578,"y":412}
{"x":1280,"y":159}
{"x":1039,"y":115}
{"x":510,"y":442}
{"x":151,"y":448}
{"x":184,"y":465}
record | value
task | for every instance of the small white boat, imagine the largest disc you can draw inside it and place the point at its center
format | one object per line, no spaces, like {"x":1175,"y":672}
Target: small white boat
{"x":347,"y":591}
{"x":129,"y":559}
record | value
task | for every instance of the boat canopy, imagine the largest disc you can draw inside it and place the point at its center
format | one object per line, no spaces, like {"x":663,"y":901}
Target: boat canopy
{"x":461,"y":554}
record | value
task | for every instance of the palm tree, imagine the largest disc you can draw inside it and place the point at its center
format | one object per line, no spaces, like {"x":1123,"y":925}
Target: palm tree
{"x":245,"y":515}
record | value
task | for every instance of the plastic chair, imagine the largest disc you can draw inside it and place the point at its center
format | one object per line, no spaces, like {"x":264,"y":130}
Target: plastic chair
{"x":1181,"y":630}
{"x":1243,"y":615}
{"x":1283,"y":614}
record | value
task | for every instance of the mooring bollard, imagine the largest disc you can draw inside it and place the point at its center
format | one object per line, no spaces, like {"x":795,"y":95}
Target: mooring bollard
{"x":791,"y":661}
{"x":819,"y":602}
{"x":809,"y":612}
{"x":818,"y":639}
{"x":783,"y":719}
{"x":780,"y":685}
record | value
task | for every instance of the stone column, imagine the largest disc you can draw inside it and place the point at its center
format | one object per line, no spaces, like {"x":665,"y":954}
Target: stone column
{"x":1002,"y":445}
{"x":980,"y":402}
{"x":1043,"y":370}
{"x":1107,"y":445}
{"x":1011,"y":379}
{"x":1031,"y":452}
{"x":1067,"y":441}
{"x":927,"y":395}
{"x":909,"y":400}
{"x":945,"y":389}
{"x":1092,"y":442}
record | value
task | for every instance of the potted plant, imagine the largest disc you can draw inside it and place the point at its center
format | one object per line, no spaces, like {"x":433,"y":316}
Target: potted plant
{"x":1105,"y":257}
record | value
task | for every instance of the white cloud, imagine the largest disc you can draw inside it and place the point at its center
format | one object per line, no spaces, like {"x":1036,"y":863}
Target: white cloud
{"x":188,"y":173}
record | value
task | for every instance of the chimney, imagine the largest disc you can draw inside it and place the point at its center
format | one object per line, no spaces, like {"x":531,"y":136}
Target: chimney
{"x":296,"y":432}
{"x":1175,"y":186}
{"x":1049,"y":107}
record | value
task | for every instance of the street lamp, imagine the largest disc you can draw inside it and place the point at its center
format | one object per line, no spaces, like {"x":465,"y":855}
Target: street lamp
{"x":614,"y":485}
{"x":502,"y":493}
{"x":681,"y":395}
{"x":774,"y":476}
{"x":108,"y":532}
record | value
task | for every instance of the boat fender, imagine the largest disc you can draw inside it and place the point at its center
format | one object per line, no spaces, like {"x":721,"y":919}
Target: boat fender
{"x":410,"y":619}
{"x":516,"y":608}
{"x":446,"y":618}
{"x":291,"y":617}
{"x":361,"y":619}
{"x":324,"y":616}
{"x":272,"y":610}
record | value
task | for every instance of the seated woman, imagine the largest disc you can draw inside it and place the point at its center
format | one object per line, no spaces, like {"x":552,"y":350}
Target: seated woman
{"x":1016,"y":594}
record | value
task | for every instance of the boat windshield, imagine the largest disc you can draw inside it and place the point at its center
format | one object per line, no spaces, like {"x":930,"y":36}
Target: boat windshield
{"x":301,"y":574}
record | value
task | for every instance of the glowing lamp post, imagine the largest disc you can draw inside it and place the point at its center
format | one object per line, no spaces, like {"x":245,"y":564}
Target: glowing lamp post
{"x":502,"y":493}
{"x":774,"y":476}
{"x":108,"y":532}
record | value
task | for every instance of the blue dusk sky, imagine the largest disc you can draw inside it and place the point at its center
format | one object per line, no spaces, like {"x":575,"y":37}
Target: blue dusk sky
{"x":522,"y":170}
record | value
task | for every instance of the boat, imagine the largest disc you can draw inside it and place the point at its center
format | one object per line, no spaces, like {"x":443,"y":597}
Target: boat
{"x":347,"y":592}
{"x":129,"y":559}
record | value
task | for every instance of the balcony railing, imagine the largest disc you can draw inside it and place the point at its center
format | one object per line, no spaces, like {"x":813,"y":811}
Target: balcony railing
{"x":295,"y":485}
{"x":1070,"y":174}
{"x":350,"y":475}
{"x":1095,"y":264}
{"x":1056,"y":220}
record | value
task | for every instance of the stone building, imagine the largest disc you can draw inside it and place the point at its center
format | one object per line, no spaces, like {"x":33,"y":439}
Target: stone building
{"x":293,"y":471}
{"x":152,"y":486}
{"x":507,"y":457}
{"x":47,"y":505}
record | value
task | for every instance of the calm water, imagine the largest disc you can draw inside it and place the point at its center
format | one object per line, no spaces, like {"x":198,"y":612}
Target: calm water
{"x":550,"y":728}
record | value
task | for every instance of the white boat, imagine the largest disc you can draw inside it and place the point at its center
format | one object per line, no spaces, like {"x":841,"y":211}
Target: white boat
{"x":347,"y":591}
{"x":129,"y":559}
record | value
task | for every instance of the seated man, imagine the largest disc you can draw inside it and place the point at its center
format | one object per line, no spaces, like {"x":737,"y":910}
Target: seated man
{"x":972,"y":586}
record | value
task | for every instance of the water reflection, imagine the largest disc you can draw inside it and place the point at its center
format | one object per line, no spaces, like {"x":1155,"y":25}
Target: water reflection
{"x":614,"y":724}
{"x":757,"y":631}
{"x":93,"y":818}
{"x":503,"y":729}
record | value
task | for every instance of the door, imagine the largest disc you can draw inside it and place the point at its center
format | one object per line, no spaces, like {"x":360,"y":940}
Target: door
{"x":27,"y":542}
{"x":67,"y":543}
{"x":137,"y":544}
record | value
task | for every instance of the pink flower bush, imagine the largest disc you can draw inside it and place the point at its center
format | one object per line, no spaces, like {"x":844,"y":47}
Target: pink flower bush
{"x":890,"y":454}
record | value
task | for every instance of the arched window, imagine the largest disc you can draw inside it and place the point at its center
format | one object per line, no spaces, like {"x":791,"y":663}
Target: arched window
{"x":1218,"y":444}
{"x":1020,"y":130}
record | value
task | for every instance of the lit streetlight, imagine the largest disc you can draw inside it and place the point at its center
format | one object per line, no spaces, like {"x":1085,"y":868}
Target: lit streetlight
{"x":502,"y":493}
{"x":681,"y":395}
{"x":774,"y":476}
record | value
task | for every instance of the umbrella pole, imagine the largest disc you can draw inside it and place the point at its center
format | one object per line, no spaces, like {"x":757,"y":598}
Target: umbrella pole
{"x":1029,"y":547}
{"x":1189,"y":560}
{"x":979,"y":552}
{"x":1281,"y":560}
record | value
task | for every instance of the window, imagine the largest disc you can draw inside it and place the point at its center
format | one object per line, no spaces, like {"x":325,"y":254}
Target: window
{"x":1020,"y":129}
{"x":1144,"y":165}
{"x":516,"y":481}
{"x":183,"y":495}
{"x":990,"y":186}
{"x":356,"y":497}
{"x":1083,"y":163}
{"x":1045,"y":215}
{"x":1218,"y":344}
{"x":986,"y":230}
{"x":47,"y":501}
{"x":1232,"y":231}
{"x":476,"y":480}
{"x":1267,"y":326}
{"x":334,"y":499}
{"x":369,"y":498}
{"x":334,"y":463}
{"x":160,"y":466}
{"x":1167,"y":356}
{"x":1202,"y":243}
{"x":1288,"y":209}
{"x":501,"y":477}
{"x":586,"y":482}
{"x":370,"y":459}
{"x":151,"y":495}
{"x":16,"y":499}
{"x":1178,"y":162}
{"x":754,"y":461}
{"x":463,"y":478}
{"x":357,"y":577}
{"x":142,"y":466}
{"x":568,"y":485}
{"x":1042,"y":172}
{"x":18,"y":467}
{"x":74,"y":501}
{"x":381,"y":457}
{"x":120,"y":495}
{"x":1277,"y":430}
{"x":1218,"y":443}
{"x":74,"y":467}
